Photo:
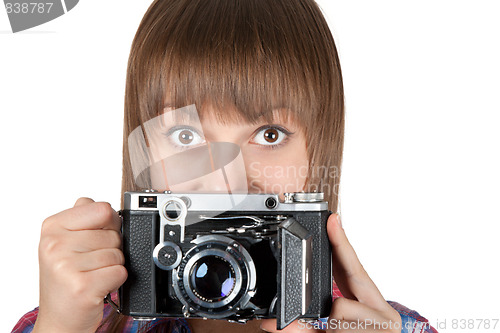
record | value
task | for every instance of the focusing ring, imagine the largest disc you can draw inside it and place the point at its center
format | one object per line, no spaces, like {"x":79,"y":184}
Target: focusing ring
{"x":241,"y":264}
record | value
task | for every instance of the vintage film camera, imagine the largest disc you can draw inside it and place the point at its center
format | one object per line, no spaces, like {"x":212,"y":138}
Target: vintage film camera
{"x":226,"y":256}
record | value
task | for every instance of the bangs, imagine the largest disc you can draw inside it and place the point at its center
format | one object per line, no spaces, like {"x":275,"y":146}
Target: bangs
{"x":233,"y":55}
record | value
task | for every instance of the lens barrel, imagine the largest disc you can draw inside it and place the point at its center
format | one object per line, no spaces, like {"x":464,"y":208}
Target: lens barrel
{"x":215,"y":278}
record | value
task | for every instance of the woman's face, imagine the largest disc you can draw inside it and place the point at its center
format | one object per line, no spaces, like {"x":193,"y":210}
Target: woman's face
{"x":272,"y":157}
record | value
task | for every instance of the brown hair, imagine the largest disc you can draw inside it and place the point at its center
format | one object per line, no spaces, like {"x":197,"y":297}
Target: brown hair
{"x":254,"y":55}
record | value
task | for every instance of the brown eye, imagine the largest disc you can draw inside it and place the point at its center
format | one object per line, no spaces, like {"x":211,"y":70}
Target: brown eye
{"x":271,"y":135}
{"x":186,"y":137}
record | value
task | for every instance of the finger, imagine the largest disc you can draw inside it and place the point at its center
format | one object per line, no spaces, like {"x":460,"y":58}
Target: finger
{"x":91,"y":240}
{"x":90,"y":261}
{"x":345,"y":309}
{"x":89,"y":215}
{"x":83,"y":201}
{"x":349,"y":274}
{"x":269,"y":325}
{"x":107,"y":279}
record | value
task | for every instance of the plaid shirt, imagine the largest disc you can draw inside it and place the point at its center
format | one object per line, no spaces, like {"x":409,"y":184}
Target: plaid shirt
{"x":412,"y":322}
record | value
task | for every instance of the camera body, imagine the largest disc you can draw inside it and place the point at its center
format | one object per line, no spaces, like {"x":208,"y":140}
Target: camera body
{"x":226,"y":256}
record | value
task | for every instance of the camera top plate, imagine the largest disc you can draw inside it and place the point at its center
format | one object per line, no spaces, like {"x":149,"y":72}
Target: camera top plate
{"x":223,"y":202}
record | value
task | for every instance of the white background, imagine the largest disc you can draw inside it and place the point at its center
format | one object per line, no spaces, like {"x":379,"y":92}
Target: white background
{"x":420,"y":187}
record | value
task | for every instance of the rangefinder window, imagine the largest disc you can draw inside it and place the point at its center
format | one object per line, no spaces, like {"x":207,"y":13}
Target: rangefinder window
{"x":147,"y":202}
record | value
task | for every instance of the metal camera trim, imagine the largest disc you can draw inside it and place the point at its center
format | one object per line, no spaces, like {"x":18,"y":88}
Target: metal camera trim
{"x":186,"y":277}
{"x":219,"y":202}
{"x":249,"y":265}
{"x":165,"y":220}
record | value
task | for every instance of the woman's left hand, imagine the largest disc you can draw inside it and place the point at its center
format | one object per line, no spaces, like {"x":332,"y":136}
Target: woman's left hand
{"x":362,"y":309}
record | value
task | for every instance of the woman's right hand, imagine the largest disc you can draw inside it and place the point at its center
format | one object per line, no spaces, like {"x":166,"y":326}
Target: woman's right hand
{"x":80,"y":263}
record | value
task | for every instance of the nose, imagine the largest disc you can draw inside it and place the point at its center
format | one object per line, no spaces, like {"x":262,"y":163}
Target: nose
{"x":217,"y":168}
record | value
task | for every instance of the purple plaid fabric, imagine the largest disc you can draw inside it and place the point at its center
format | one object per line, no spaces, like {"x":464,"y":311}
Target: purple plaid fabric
{"x":412,"y":322}
{"x":27,"y":322}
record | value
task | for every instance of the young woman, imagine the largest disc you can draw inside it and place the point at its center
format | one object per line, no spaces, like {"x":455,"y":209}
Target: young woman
{"x":262,"y":74}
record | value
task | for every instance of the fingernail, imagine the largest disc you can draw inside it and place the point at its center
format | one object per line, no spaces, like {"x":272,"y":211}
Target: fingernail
{"x":339,"y":220}
{"x":263,"y":329}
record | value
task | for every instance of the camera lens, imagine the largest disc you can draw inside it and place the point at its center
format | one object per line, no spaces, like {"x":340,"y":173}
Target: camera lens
{"x":215,"y":278}
{"x":212,"y":278}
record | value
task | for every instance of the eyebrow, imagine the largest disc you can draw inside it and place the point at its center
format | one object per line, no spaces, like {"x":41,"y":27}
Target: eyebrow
{"x":188,"y":114}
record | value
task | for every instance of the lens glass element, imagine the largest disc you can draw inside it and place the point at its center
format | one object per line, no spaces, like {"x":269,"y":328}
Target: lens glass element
{"x":212,"y":278}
